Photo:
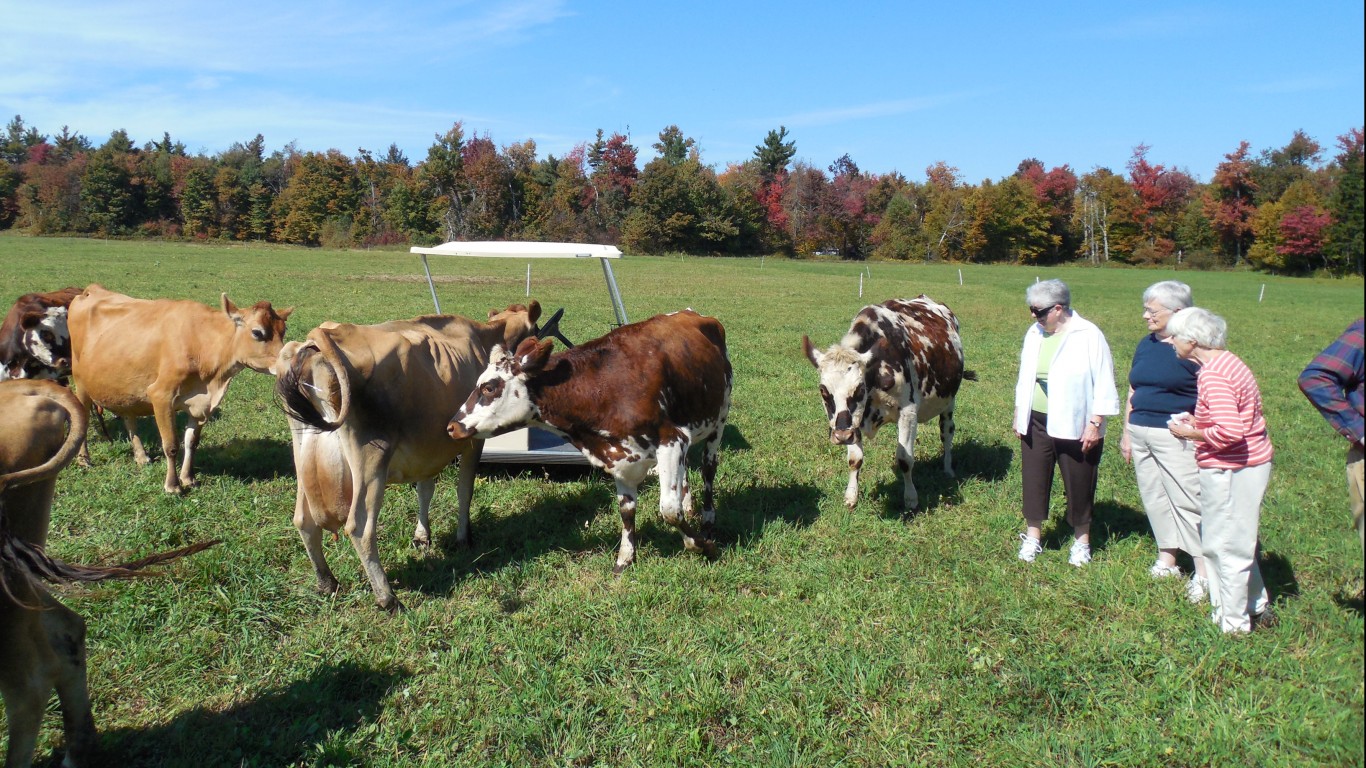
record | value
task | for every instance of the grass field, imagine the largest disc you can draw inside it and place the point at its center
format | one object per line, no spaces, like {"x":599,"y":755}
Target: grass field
{"x":821,"y":637}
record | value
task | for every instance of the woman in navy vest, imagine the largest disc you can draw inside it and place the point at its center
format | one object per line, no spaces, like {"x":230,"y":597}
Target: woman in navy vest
{"x":1162,"y":385}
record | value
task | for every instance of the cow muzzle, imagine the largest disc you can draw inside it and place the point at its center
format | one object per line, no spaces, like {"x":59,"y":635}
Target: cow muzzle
{"x":843,"y":436}
{"x":458,"y":431}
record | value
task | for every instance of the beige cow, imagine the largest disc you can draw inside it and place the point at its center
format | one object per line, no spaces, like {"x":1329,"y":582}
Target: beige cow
{"x":140,"y":357}
{"x":368,"y":407}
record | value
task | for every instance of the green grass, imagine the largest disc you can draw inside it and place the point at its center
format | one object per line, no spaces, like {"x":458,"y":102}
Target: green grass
{"x":821,"y":637}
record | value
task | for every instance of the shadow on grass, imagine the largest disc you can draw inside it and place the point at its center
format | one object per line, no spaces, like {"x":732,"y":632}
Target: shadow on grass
{"x":1354,"y":602}
{"x":971,"y":460}
{"x":1110,"y":522}
{"x":1278,"y":574}
{"x":296,"y":724}
{"x":563,"y":523}
{"x":246,"y":459}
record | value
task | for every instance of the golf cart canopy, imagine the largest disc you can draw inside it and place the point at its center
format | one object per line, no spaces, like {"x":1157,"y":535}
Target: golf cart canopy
{"x":532,"y":445}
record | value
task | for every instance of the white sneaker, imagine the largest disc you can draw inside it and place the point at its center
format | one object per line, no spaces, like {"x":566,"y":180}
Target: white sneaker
{"x":1029,"y":548}
{"x":1080,"y":554}
{"x":1161,"y":570}
{"x":1196,"y":589}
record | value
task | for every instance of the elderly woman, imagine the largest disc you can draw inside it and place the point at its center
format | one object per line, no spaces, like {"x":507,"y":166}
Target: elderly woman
{"x":1160,"y":385}
{"x":1234,"y":452}
{"x":1065,"y":390}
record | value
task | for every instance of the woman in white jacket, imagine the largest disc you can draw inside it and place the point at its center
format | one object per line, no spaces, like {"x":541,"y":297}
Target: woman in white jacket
{"x":1065,"y":390}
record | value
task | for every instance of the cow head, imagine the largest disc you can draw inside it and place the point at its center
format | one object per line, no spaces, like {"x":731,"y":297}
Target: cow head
{"x":519,"y":322}
{"x":260,"y":334}
{"x":848,"y":379}
{"x":501,"y":399}
{"x":44,"y":336}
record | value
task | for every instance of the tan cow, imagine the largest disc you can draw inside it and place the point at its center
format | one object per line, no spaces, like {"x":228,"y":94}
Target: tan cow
{"x":42,"y":642}
{"x":368,"y":407}
{"x":140,"y":357}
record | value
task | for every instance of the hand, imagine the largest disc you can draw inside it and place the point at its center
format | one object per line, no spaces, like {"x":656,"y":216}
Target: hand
{"x":1185,"y":431}
{"x":1126,"y":447}
{"x":1090,"y":437}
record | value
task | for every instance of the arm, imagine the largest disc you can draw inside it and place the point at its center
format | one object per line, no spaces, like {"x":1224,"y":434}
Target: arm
{"x":1125,"y":445}
{"x":1329,"y":381}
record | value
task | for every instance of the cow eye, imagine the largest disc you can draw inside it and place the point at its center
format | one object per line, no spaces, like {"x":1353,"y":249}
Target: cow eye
{"x":857,"y":397}
{"x":258,"y":333}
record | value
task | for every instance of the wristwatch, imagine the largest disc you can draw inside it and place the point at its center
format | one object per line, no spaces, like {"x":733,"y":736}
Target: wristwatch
{"x":1097,"y":423}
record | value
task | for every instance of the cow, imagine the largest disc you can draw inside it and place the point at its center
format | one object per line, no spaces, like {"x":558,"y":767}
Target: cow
{"x":902,"y":361}
{"x":42,"y":642}
{"x":34,"y":343}
{"x":368,"y":406}
{"x":138,"y":357}
{"x":629,"y":401}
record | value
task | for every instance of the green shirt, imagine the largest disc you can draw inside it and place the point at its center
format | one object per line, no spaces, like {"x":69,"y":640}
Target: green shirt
{"x":1047,"y":351}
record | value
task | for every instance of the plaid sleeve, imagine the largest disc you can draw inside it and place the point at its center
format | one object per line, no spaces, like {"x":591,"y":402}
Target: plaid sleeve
{"x":1333,"y":383}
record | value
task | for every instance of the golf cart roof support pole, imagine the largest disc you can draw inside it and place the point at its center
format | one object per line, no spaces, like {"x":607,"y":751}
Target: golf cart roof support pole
{"x":435,"y":302}
{"x":617,"y":306}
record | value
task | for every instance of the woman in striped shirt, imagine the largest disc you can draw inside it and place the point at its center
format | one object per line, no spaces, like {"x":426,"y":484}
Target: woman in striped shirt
{"x":1233,"y":451}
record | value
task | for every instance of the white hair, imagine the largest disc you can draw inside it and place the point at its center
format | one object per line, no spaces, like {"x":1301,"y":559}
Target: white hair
{"x":1172,"y":294}
{"x":1200,"y":326}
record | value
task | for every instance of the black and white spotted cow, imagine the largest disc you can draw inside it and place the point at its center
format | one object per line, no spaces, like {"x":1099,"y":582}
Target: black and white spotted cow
{"x":902,"y":362}
{"x":631,"y":400}
{"x":34,"y":341}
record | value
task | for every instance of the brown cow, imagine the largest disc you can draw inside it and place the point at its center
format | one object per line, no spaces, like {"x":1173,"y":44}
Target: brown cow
{"x":42,"y":642}
{"x":368,"y":406}
{"x":901,"y":361}
{"x":34,"y":342}
{"x":633,"y":399}
{"x":139,"y":357}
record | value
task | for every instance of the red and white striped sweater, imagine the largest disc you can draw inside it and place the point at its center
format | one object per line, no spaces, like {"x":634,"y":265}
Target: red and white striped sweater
{"x":1228,"y":409}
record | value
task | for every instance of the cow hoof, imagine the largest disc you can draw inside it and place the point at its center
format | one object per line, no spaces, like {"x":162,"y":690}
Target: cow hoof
{"x":393,"y":607}
{"x":422,"y":542}
{"x":83,"y":461}
{"x":849,"y":505}
{"x":328,"y":587}
{"x":709,"y":550}
{"x":619,"y":567}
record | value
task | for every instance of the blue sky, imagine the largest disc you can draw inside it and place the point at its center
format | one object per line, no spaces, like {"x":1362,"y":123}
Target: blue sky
{"x":896,"y":86}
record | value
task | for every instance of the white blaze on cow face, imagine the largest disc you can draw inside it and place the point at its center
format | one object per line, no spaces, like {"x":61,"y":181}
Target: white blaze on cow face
{"x":48,"y":341}
{"x":500,"y":401}
{"x":843,"y":388}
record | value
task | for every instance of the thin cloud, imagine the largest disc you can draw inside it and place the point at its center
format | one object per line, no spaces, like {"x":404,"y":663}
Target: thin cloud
{"x":859,"y":112}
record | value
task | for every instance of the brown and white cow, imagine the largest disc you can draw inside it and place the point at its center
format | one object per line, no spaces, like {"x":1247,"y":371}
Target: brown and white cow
{"x":140,"y":357}
{"x":368,"y":406}
{"x":901,"y":361}
{"x":633,"y":399}
{"x":42,"y":642}
{"x":34,"y":342}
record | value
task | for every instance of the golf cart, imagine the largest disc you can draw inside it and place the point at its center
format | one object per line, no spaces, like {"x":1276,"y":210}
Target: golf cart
{"x":531,"y":445}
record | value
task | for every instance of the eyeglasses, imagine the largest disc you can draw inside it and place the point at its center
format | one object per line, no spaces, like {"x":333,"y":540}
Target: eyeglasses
{"x":1042,"y":312}
{"x":1155,"y":312}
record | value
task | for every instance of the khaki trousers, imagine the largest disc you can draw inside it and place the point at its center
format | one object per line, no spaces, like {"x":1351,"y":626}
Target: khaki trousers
{"x":1231,"y":510}
{"x":1169,"y":484}
{"x":1356,"y":462}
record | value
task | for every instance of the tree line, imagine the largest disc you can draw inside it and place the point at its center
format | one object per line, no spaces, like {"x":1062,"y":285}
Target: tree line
{"x":1290,"y":209}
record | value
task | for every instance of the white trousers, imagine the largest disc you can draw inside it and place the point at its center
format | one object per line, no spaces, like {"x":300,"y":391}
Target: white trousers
{"x":1169,"y":484}
{"x":1231,"y":510}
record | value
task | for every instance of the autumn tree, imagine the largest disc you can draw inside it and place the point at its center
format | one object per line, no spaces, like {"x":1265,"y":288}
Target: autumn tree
{"x":1347,"y":204}
{"x":678,"y":204}
{"x":944,"y":227}
{"x":614,"y":175}
{"x":443,"y":180}
{"x":1231,"y":201}
{"x":319,"y":202}
{"x":1276,"y":169}
{"x":1162,"y":195}
{"x":1056,"y":191}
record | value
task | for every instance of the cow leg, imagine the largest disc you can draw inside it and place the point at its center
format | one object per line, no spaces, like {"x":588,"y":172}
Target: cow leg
{"x":65,"y":630}
{"x":362,"y":526}
{"x":855,"y":454}
{"x":673,"y":483}
{"x":905,"y":455}
{"x":469,"y":465}
{"x":163,"y":409}
{"x":25,"y":697}
{"x":946,"y":430}
{"x":130,"y":425}
{"x":312,"y":535}
{"x":628,"y":478}
{"x":193,"y":432}
{"x":83,"y":456}
{"x":422,"y":534}
{"x":711,"y":459}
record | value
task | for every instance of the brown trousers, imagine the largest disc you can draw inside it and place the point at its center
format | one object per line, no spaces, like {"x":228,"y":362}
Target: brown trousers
{"x":1039,"y":454}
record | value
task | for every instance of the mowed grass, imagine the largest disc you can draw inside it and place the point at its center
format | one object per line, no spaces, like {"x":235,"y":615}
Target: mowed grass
{"x":821,"y":637}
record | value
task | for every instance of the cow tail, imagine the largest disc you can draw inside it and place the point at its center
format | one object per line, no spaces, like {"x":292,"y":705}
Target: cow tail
{"x":79,"y":420}
{"x":294,"y":385}
{"x":22,"y":564}
{"x":969,"y":375}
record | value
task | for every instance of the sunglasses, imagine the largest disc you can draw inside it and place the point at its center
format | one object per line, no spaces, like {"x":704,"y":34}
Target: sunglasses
{"x":1042,"y":312}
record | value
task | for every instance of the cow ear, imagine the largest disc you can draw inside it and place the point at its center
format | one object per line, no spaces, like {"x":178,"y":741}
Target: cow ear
{"x":810,"y":351}
{"x":284,"y":313}
{"x":532,"y":356}
{"x":230,"y":309}
{"x":534,"y":310}
{"x":30,"y":319}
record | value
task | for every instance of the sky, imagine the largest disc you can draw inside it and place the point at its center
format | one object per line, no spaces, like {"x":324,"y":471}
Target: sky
{"x":897,"y":86}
